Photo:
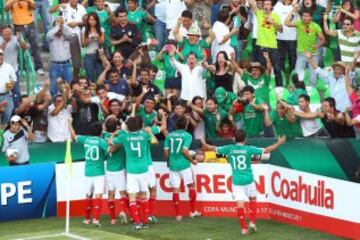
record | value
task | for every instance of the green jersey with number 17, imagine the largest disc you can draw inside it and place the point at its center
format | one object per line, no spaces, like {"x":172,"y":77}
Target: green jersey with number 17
{"x":137,"y":149}
{"x":239,"y":157}
{"x":175,"y":142}
{"x":95,"y":152}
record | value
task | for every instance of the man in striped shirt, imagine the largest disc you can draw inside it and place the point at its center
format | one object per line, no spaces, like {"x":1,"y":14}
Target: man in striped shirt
{"x":348,"y":39}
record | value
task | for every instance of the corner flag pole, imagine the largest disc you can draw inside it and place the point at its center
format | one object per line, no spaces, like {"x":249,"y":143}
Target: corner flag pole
{"x":68,"y":163}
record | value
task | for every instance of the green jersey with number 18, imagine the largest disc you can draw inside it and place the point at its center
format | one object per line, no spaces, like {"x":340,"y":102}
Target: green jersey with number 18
{"x":95,"y":152}
{"x":239,"y":157}
{"x":137,"y":150}
{"x":175,"y":142}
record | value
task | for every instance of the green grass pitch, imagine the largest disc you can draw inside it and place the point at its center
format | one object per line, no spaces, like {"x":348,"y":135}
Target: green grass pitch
{"x":167,"y":229}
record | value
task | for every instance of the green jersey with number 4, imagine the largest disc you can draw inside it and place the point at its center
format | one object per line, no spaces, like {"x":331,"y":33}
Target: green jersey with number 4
{"x":116,"y":160}
{"x":95,"y":153}
{"x":137,"y":149}
{"x":175,"y":142}
{"x":239,"y":157}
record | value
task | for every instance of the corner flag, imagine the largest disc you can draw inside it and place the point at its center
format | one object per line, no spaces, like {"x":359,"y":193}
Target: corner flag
{"x":68,"y":158}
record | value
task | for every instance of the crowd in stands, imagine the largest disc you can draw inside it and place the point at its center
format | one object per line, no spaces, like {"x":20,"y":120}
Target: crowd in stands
{"x":261,"y":66}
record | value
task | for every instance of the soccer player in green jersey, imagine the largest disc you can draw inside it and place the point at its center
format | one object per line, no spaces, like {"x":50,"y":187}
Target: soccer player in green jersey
{"x":115,"y":171}
{"x":96,"y":150}
{"x":137,"y":150}
{"x":239,"y":156}
{"x":176,"y":148}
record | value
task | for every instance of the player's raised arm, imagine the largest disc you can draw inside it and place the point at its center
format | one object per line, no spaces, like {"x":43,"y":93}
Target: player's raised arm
{"x":207,"y":146}
{"x":280,"y":141}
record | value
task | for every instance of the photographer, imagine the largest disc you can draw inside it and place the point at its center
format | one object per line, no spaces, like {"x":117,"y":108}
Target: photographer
{"x":16,"y":139}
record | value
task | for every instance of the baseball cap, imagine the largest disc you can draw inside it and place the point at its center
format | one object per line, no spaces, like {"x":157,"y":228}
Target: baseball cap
{"x":15,"y":118}
{"x":220,"y":94}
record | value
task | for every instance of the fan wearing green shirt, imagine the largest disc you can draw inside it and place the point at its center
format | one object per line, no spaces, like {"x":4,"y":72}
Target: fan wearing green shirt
{"x":258,"y":77}
{"x":252,"y":113}
{"x":137,"y":148}
{"x":269,"y":23}
{"x":239,"y":156}
{"x":212,"y":117}
{"x":176,"y":149}
{"x":310,"y":38}
{"x":139,"y":17}
{"x":115,"y":171}
{"x":96,"y":150}
{"x":284,"y":121}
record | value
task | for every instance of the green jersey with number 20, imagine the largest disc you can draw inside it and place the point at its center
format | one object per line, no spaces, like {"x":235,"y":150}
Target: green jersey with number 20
{"x":95,"y":151}
{"x":239,"y":157}
{"x":137,"y":149}
{"x":175,"y":142}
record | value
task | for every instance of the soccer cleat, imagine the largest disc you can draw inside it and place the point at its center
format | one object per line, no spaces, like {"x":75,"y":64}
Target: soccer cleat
{"x":123,"y":218}
{"x":244,"y":231}
{"x":96,"y":223}
{"x":195,"y":214}
{"x":252,"y":227}
{"x":113,"y":221}
{"x":136,"y":227}
{"x":153,"y":219}
{"x":178,"y":218}
{"x":87,"y":221}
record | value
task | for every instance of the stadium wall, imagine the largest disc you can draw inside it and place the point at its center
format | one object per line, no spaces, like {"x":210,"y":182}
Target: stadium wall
{"x":285,"y":195}
{"x":336,"y":158}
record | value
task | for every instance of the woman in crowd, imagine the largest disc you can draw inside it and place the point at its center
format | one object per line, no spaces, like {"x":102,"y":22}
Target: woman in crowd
{"x":92,"y":38}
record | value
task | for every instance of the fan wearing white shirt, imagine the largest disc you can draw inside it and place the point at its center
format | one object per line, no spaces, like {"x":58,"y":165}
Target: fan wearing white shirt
{"x":192,"y":82}
{"x":222,"y":35}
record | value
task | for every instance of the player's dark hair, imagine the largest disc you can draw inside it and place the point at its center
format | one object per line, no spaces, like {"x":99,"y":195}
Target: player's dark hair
{"x":305,"y":97}
{"x":249,"y":89}
{"x":111,"y":124}
{"x":240,"y":136}
{"x":95,"y":129}
{"x":187,"y":14}
{"x":181,"y":123}
{"x":140,"y":122}
{"x":132,"y":124}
